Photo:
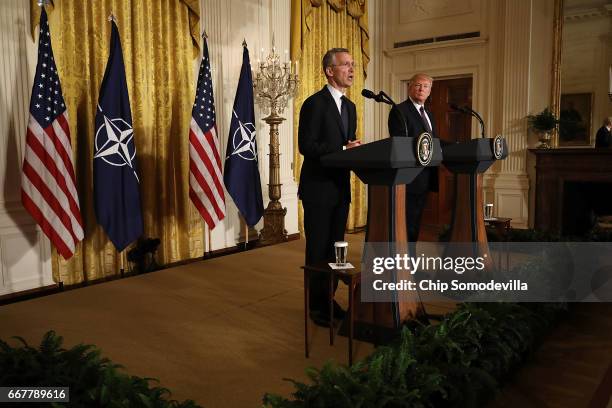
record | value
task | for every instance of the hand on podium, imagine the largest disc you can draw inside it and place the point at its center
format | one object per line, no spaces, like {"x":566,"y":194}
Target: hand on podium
{"x":353,"y":143}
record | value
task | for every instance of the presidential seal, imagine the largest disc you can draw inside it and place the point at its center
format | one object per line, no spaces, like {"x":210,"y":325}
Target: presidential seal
{"x":498,"y":146}
{"x":424,"y":148}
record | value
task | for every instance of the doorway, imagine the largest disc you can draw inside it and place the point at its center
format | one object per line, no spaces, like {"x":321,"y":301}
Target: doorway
{"x":450,"y":126}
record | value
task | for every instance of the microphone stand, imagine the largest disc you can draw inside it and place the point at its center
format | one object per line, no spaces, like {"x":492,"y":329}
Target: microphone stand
{"x":387,"y":99}
{"x":477,"y":116}
{"x":467,"y":109}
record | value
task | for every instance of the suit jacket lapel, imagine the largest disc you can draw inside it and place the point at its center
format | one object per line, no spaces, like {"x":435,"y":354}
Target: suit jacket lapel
{"x":417,"y":116}
{"x":334,"y":108}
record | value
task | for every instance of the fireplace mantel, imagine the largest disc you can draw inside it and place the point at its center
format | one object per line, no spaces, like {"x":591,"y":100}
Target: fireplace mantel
{"x":555,"y":167}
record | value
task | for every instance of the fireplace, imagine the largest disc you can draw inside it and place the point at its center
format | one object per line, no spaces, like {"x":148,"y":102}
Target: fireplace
{"x":583,"y":203}
{"x":572,"y":186}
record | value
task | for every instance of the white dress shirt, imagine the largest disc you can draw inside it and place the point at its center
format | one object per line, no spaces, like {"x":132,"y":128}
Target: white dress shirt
{"x":418,"y":108}
{"x":337,"y":95}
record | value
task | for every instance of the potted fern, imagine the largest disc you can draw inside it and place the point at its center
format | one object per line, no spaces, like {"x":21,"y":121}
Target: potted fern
{"x":542,"y":124}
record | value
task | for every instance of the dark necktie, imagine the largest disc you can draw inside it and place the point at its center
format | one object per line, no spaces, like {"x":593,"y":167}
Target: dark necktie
{"x":345,"y":118}
{"x":425,"y":121}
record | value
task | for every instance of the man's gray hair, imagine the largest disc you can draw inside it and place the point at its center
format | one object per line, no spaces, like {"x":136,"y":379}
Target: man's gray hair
{"x":330,"y":57}
{"x":607,"y":121}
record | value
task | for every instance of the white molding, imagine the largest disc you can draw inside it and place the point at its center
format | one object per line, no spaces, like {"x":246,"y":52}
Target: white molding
{"x":464,"y":42}
{"x":587,"y":13}
{"x":509,"y":194}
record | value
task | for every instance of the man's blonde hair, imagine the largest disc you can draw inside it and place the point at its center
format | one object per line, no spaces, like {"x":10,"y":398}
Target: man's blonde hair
{"x":420,"y":75}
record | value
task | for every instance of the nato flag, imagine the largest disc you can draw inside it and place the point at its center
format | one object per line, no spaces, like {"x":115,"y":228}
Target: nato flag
{"x":116,"y":183}
{"x":241,"y":174}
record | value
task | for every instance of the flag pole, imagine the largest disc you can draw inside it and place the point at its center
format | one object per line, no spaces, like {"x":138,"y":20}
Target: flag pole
{"x":209,"y":240}
{"x":246,"y":225}
{"x":121,"y":265}
{"x":246,"y":235}
{"x":206,"y":227}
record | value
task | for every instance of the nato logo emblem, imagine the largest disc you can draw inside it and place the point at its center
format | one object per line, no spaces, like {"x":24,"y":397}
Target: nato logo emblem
{"x":115,"y":143}
{"x":424,"y":148}
{"x":244,"y":141}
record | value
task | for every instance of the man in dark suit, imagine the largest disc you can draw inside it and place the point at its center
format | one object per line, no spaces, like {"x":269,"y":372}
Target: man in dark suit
{"x":328,"y":122}
{"x":418,"y":120}
{"x":603,"y":137}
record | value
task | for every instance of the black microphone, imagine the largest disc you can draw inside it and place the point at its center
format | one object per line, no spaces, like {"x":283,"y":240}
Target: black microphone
{"x":368,"y":94}
{"x":371,"y":95}
{"x":384,"y":98}
{"x":470,"y":111}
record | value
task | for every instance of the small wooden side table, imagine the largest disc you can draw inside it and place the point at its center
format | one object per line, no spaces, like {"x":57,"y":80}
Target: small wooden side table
{"x":351,"y":277}
{"x":501,"y":225}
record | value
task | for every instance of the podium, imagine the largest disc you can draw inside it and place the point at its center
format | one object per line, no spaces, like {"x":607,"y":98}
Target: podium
{"x":385,"y":166}
{"x":468,"y":161}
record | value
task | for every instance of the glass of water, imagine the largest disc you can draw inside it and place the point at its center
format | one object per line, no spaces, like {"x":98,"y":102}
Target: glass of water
{"x":488,"y":211}
{"x":341,"y":249}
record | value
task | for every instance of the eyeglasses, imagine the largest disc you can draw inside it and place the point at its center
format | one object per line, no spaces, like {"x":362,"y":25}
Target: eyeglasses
{"x":347,"y":64}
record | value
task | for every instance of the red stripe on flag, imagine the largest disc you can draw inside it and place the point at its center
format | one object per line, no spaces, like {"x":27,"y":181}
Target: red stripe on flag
{"x":193,"y":139}
{"x":59,"y":176}
{"x":206,"y":188}
{"x":46,"y":226}
{"x":50,"y":199}
{"x":212,"y":141}
{"x":62,"y":121}
{"x":201,"y":208}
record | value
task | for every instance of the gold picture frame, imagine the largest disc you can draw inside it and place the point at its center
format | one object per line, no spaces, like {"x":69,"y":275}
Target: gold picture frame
{"x":575,"y":119}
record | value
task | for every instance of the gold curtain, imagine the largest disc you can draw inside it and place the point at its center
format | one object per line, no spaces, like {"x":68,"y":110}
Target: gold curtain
{"x":316,"y":26}
{"x":159,"y":40}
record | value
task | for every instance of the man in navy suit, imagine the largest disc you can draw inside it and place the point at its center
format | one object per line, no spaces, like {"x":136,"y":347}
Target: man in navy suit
{"x":328,"y":121}
{"x":418,"y":120}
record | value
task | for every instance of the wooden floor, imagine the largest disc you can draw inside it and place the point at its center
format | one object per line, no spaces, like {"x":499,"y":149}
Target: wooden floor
{"x":224,"y":331}
{"x":573,"y":368}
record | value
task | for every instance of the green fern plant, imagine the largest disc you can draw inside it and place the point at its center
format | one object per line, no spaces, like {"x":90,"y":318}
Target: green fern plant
{"x":458,"y":363}
{"x":93,"y":379}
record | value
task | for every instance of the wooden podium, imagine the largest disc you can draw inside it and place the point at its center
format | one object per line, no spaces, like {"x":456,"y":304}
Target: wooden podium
{"x":468,"y":161}
{"x":385,"y":166}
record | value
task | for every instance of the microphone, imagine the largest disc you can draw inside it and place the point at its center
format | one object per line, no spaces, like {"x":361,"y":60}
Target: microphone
{"x":384,"y":98}
{"x":368,"y":94}
{"x":371,"y":95}
{"x":470,"y":111}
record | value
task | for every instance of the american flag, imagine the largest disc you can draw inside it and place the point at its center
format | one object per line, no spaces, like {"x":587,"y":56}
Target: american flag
{"x":48,"y":190}
{"x":205,"y":187}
